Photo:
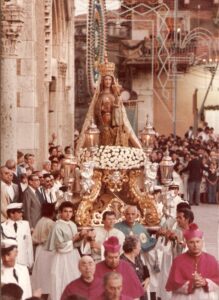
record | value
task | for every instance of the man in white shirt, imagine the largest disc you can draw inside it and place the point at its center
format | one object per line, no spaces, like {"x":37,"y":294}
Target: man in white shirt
{"x":108,"y":230}
{"x":56,"y":181}
{"x":18,"y":229}
{"x":9,"y":190}
{"x":12,"y":272}
{"x":6,"y":179}
{"x":157,"y":193}
{"x":171,"y":202}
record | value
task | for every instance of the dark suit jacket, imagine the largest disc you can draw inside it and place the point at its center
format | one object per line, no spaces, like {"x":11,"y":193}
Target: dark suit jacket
{"x":41,"y":195}
{"x":15,"y":179}
{"x":16,"y":193}
{"x":32,"y":207}
{"x":195,"y":168}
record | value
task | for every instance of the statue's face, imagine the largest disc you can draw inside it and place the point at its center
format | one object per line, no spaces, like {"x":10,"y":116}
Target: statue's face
{"x":107,"y":81}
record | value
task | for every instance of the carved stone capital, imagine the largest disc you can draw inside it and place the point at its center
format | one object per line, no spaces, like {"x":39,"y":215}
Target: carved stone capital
{"x":12,"y":22}
{"x":62,"y":67}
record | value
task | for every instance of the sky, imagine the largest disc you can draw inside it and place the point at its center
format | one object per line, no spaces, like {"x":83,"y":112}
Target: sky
{"x":81,"y":5}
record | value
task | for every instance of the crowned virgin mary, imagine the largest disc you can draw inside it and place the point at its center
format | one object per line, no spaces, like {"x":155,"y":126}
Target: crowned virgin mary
{"x":108,"y":112}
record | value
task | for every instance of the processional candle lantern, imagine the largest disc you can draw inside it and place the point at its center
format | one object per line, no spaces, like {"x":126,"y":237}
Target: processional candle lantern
{"x":69,"y":164}
{"x":92,"y":136}
{"x":148,"y":137}
{"x":166,"y":169}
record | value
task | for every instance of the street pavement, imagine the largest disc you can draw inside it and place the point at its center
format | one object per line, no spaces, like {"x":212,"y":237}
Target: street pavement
{"x":207,"y":218}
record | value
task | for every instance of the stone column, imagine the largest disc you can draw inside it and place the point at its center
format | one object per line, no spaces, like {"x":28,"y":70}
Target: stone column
{"x":12,"y":20}
{"x":70,"y":86}
{"x":60,"y":100}
{"x":45,"y":117}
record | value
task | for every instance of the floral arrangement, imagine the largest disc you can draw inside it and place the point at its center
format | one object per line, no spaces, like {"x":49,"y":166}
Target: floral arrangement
{"x":114,"y":157}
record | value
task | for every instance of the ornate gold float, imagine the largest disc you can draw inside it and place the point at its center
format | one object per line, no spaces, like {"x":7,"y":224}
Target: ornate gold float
{"x":113,"y":165}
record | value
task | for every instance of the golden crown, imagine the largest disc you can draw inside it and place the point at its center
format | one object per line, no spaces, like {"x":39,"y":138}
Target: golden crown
{"x":106,"y":68}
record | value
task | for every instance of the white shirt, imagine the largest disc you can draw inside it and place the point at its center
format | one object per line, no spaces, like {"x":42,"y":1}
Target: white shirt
{"x":23,"y":238}
{"x":50,"y":195}
{"x":204,"y":136}
{"x":57,"y":184}
{"x":7,"y":276}
{"x":23,"y":186}
{"x":9,"y":189}
{"x":102,"y":235}
{"x":173,"y":204}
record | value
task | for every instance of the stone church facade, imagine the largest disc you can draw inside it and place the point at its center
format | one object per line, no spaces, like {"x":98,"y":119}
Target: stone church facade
{"x":37,"y":75}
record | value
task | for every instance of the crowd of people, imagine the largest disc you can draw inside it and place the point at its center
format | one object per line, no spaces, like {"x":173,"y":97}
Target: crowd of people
{"x":42,"y":248}
{"x":196,"y":161}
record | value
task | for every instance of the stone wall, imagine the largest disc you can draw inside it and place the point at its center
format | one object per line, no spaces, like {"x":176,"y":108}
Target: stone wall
{"x":196,"y":78}
{"x":45,"y":29}
{"x":29,"y":65}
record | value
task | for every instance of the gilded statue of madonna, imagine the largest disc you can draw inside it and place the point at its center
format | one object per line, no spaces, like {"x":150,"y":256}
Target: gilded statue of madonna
{"x":108,"y":112}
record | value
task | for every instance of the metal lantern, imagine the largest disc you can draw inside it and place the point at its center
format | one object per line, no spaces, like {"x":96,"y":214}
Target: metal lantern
{"x":69,"y":163}
{"x":148,"y":137}
{"x":92,"y":136}
{"x":166,"y":169}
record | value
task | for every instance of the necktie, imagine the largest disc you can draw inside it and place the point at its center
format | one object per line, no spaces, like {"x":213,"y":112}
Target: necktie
{"x":44,"y":195}
{"x":51,"y":198}
{"x":15,"y":226}
{"x":15,"y":275}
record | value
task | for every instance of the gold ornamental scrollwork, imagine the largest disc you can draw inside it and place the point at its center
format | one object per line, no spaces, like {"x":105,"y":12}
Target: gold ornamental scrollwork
{"x":143,"y":200}
{"x":84,"y":212}
{"x":107,"y":203}
{"x":115,"y":179}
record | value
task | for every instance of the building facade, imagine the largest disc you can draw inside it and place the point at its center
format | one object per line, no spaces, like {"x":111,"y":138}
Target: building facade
{"x":37,"y":75}
{"x":165,"y":52}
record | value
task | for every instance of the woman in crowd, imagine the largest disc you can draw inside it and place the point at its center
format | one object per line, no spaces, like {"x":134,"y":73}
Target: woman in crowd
{"x":132,"y":248}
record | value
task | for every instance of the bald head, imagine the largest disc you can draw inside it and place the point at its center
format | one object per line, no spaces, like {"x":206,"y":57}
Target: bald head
{"x":131,"y":214}
{"x":87,"y":268}
{"x":131,"y":208}
{"x":6,"y":175}
{"x":11,"y":164}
